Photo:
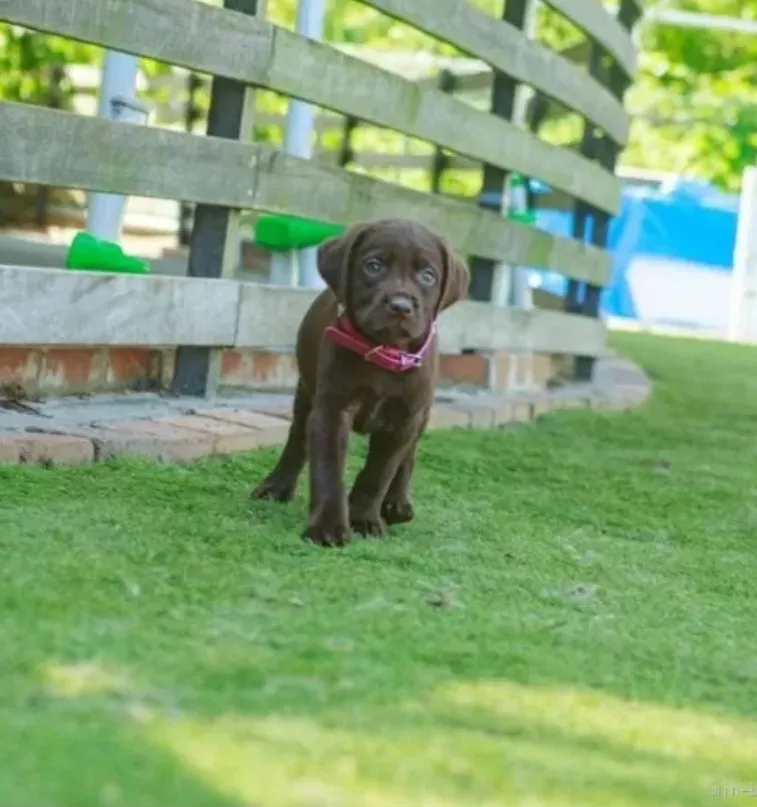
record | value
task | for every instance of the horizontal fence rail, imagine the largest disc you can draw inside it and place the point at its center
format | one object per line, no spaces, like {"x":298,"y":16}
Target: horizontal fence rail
{"x":171,"y":112}
{"x":504,"y":47}
{"x":251,"y":50}
{"x":62,"y":149}
{"x":57,"y":307}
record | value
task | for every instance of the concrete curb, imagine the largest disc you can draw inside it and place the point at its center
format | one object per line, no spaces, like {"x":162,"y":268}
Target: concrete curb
{"x":202,"y":432}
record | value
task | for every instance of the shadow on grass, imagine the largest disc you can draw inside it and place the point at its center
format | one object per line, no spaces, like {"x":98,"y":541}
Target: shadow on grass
{"x":464,"y":744}
{"x":69,"y":749}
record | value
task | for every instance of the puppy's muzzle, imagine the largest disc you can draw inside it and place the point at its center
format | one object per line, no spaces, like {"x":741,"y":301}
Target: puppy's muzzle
{"x":400,"y":305}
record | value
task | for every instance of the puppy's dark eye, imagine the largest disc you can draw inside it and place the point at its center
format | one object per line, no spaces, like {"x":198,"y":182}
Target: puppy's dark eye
{"x":427,"y":276}
{"x":373,"y":267}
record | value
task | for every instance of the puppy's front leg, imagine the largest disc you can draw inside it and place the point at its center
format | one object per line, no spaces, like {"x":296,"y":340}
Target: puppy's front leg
{"x":397,"y":507}
{"x":386,"y":452}
{"x":328,"y":433}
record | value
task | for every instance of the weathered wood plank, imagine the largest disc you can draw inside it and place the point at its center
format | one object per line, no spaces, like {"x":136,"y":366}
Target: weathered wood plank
{"x":95,"y":154}
{"x":269,"y":316}
{"x":58,"y":307}
{"x":505,"y":48}
{"x":483,"y":326}
{"x":212,"y":40}
{"x":601,"y":26}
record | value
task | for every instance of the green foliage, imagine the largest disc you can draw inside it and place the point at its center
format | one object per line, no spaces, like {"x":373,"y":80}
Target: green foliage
{"x":696,"y":96}
{"x":27,"y":60}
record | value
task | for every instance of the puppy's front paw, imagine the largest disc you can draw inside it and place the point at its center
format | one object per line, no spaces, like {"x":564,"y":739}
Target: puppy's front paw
{"x":276,"y":488}
{"x":368,"y":527}
{"x":327,"y":533}
{"x":397,"y":511}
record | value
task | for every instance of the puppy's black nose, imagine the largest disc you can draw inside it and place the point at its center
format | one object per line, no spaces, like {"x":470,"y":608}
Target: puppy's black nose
{"x":400,"y":304}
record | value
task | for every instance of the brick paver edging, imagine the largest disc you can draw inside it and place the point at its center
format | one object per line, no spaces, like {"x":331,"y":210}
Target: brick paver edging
{"x":200,"y":433}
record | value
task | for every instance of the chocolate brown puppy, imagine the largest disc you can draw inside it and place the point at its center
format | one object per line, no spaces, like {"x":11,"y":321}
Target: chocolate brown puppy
{"x":367,"y":357}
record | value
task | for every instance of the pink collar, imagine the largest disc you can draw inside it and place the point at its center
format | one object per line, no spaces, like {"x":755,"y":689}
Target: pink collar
{"x":392,"y":359}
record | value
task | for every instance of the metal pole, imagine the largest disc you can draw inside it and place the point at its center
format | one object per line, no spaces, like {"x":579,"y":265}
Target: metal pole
{"x":692,"y":19}
{"x":117,"y":102}
{"x":298,"y":141}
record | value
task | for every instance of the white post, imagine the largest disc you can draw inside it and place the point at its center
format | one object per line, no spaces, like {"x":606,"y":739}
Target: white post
{"x":289,"y":268}
{"x":742,"y":322}
{"x":117,"y":102}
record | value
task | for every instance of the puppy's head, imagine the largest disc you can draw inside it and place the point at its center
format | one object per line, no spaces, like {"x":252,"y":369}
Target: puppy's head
{"x":393,"y":277}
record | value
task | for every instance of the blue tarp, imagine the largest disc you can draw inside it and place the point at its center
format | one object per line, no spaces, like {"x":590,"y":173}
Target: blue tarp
{"x":689,"y":223}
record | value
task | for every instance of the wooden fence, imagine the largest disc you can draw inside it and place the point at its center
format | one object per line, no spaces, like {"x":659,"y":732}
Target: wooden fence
{"x":179,"y":100}
{"x":229,"y":179}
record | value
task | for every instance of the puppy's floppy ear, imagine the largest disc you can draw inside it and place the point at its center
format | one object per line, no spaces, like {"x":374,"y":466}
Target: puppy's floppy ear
{"x":334,"y":259}
{"x":456,"y":278}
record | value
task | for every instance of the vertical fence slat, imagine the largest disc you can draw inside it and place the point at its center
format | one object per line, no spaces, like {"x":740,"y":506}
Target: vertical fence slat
{"x":440,"y":160}
{"x":214,"y":243}
{"x":502,"y":105}
{"x":605,"y":151}
{"x":346,"y":153}
{"x":192,"y":114}
{"x":582,"y":211}
{"x":55,"y":101}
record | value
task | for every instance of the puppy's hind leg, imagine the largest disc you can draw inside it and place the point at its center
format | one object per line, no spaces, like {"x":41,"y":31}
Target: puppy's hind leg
{"x":281,"y":484}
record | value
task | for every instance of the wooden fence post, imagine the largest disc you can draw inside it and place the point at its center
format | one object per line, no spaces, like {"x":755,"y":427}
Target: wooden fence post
{"x":605,"y":150}
{"x":214,"y":244}
{"x":54,"y":101}
{"x":440,"y":160}
{"x":192,"y":114}
{"x":346,"y":153}
{"x":581,"y":210}
{"x":502,"y":105}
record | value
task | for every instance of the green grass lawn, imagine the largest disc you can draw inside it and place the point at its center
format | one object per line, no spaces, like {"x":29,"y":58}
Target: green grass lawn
{"x":569,"y":621}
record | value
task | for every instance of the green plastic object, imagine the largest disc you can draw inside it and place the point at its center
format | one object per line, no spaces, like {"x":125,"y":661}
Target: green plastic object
{"x":527,"y":217}
{"x":519,"y":210}
{"x":91,"y":254}
{"x":288,"y":233}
